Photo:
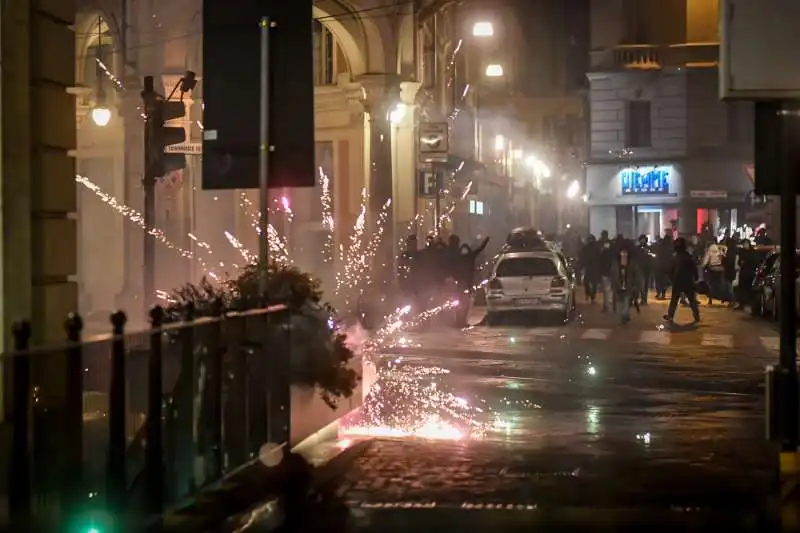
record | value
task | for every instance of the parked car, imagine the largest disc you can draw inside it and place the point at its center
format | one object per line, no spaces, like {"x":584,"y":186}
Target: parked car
{"x":531,"y":280}
{"x":766,"y":301}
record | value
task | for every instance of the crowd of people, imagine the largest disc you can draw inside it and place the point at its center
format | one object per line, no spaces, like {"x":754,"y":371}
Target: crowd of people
{"x":623,"y":271}
{"x":424,"y":273}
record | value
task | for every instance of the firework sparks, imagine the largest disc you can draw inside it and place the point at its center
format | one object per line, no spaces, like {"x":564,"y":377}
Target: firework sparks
{"x":327,"y":216}
{"x":415,"y":401}
{"x":248,"y":256}
{"x":278,"y":247}
{"x":352,"y":257}
{"x":138,"y":219}
{"x":371,"y":249}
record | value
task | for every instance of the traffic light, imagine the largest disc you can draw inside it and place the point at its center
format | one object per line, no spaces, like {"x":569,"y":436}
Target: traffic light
{"x":158,"y":136}
{"x":166,"y":136}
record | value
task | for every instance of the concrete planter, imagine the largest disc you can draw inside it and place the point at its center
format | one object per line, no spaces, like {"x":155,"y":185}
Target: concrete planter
{"x":311,"y":415}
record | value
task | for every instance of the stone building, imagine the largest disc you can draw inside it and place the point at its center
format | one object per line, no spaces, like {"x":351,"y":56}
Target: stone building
{"x":666,"y":153}
{"x":363,"y":69}
{"x":379,"y":73}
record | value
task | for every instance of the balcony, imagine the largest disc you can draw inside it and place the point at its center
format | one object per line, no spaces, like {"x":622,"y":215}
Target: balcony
{"x":653,"y":57}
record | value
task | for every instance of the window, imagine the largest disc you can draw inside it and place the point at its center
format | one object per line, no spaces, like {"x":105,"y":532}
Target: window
{"x":475,"y":207}
{"x":325,"y":55}
{"x":523,"y":267}
{"x":637,"y":124}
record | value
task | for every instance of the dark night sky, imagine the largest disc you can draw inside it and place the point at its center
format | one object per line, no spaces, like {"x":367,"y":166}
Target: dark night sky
{"x":556,"y":55}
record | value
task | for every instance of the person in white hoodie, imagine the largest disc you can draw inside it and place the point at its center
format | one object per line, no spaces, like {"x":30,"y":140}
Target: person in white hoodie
{"x":714,"y":270}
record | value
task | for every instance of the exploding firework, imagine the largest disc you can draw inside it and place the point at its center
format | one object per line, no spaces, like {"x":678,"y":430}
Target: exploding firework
{"x":138,"y":219}
{"x":416,"y":401}
{"x":327,"y":216}
{"x":410,"y":400}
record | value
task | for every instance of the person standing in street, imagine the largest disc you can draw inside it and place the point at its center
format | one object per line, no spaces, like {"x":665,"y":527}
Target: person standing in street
{"x":625,"y":279}
{"x":684,"y":278}
{"x":606,"y":258}
{"x":644,"y":260}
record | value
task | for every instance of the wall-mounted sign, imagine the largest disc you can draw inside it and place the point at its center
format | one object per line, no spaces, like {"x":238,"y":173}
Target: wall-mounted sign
{"x":646,"y":180}
{"x":429,"y":183}
{"x":717,"y":195}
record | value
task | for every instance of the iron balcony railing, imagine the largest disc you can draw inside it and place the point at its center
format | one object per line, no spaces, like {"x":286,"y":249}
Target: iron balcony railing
{"x":122,"y":426}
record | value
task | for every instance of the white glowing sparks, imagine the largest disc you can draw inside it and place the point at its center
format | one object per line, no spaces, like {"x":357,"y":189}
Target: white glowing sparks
{"x":327,"y":216}
{"x":110,"y":75}
{"x":248,"y":256}
{"x":137,"y":218}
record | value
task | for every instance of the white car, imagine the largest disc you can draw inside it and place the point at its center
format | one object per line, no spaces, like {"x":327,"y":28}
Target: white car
{"x":530,"y":281}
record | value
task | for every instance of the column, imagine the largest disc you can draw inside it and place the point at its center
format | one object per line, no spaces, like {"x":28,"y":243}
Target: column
{"x":133,"y":169}
{"x":404,"y":162}
{"x":378,"y":92}
{"x":38,"y":243}
{"x":687,"y":217}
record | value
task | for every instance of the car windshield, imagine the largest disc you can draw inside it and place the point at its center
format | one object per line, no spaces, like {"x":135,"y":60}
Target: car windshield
{"x":517,"y":267}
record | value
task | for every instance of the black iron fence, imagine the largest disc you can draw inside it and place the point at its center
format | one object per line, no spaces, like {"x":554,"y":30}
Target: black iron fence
{"x":121,"y":426}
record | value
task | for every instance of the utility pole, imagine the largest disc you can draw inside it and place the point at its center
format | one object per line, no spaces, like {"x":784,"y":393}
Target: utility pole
{"x":149,"y":186}
{"x":263,"y":155}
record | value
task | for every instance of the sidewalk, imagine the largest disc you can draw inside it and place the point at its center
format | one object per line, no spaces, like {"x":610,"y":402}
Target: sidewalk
{"x":247,"y":498}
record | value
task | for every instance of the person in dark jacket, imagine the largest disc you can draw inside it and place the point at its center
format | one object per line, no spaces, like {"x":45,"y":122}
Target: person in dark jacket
{"x":625,"y":279}
{"x":590,"y":261}
{"x":684,"y":278}
{"x":605,"y":260}
{"x":663,"y":265}
{"x":644,"y":260}
{"x":464,"y":275}
{"x":748,"y":261}
{"x":729,"y":264}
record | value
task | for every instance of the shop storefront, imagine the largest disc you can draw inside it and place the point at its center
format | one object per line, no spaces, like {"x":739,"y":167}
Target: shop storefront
{"x":677,"y":197}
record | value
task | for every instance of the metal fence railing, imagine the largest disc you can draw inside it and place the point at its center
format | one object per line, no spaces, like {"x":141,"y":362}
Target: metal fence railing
{"x":128,"y":424}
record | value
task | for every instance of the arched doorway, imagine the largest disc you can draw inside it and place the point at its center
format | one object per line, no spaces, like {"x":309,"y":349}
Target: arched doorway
{"x":339,"y":57}
{"x":99,"y":157}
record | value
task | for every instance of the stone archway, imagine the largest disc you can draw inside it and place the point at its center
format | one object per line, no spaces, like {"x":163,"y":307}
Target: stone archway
{"x":87,"y":27}
{"x":347,"y":32}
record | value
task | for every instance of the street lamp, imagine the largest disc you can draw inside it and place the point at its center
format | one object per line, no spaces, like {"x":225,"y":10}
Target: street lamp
{"x":483,"y":29}
{"x":101,"y":115}
{"x":494,"y":71}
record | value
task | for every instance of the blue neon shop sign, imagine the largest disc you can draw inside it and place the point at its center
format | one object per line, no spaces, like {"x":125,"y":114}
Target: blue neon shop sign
{"x":646,"y":180}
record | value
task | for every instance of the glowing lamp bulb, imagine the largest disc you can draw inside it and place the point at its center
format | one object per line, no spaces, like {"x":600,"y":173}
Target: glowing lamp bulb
{"x":101,"y":116}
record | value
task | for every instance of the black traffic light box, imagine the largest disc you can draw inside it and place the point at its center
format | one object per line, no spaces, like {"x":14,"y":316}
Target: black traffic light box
{"x":158,"y":136}
{"x":166,"y":136}
{"x":232,"y":93}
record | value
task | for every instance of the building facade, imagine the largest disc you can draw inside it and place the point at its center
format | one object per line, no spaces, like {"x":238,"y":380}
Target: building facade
{"x":666,"y":155}
{"x":37,"y":192}
{"x":364,"y":68}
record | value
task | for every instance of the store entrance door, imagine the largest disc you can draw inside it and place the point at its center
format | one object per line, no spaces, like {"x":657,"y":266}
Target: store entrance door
{"x":649,"y":221}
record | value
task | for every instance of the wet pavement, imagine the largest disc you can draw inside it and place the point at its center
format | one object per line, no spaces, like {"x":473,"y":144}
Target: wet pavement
{"x":588,"y":422}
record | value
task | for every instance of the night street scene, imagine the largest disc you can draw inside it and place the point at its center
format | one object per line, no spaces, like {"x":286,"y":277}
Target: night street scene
{"x":377,"y":266}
